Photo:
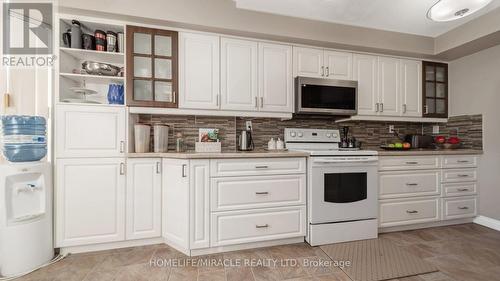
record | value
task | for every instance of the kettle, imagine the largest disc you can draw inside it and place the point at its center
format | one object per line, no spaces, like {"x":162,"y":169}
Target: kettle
{"x":245,"y":141}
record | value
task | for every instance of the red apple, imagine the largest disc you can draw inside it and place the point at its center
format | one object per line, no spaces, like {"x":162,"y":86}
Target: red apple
{"x":440,"y":139}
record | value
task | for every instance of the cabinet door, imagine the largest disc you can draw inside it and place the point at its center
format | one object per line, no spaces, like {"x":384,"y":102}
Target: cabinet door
{"x":275,"y":78}
{"x":199,"y":71}
{"x":308,"y":62}
{"x":366,"y":73}
{"x":411,"y":88}
{"x":143,"y":207}
{"x":338,"y":65}
{"x":435,"y":90}
{"x":199,"y":186}
{"x":239,"y":86}
{"x":388,"y":70}
{"x":90,"y":131}
{"x":90,"y":201}
{"x":152,"y":76}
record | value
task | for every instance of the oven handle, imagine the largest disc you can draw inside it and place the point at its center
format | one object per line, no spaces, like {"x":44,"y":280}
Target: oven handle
{"x":346,"y":160}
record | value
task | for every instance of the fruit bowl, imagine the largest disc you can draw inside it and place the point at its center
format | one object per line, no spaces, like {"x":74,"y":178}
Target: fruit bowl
{"x":451,"y":145}
{"x":386,"y":147}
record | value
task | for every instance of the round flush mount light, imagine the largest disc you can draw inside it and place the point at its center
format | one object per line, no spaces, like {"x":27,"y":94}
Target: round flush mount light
{"x":448,"y":10}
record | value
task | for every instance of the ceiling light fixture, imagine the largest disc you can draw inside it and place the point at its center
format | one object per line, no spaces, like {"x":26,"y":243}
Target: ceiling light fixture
{"x":448,"y":10}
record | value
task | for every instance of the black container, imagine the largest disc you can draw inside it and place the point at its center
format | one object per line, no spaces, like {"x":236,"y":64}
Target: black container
{"x":88,"y":41}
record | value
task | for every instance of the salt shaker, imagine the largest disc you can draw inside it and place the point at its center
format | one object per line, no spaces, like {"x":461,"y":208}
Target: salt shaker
{"x":280,"y":145}
{"x":271,"y":145}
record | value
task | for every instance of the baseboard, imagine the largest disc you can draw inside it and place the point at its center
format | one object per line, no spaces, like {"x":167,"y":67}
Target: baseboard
{"x":488,"y":222}
{"x":111,"y":246}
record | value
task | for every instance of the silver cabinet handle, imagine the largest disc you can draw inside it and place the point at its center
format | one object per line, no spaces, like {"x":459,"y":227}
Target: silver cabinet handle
{"x":382,"y":107}
{"x":262,"y":167}
{"x":463,"y":176}
{"x":412,"y":162}
{"x":122,"y":146}
{"x":412,"y":211}
{"x":262,"y":193}
{"x":173,"y":96}
{"x":463,"y":208}
{"x":262,"y":226}
{"x":404,"y":108}
{"x":322,"y":71}
{"x":377,"y":107}
{"x":327,"y":71}
{"x":412,"y":184}
{"x":122,"y":168}
{"x":218,"y":100}
{"x":426,"y":109}
{"x":462,"y":189}
{"x":158,"y":167}
{"x":261,"y":102}
{"x":256,"y":102}
{"x":463,"y":161}
{"x":184,"y":170}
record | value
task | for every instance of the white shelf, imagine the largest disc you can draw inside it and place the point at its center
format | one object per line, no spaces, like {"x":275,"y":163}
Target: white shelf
{"x":99,"y":79}
{"x":393,"y":119}
{"x":98,"y":56}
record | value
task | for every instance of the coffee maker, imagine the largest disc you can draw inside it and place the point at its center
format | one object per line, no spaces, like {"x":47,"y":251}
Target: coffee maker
{"x":245,"y":141}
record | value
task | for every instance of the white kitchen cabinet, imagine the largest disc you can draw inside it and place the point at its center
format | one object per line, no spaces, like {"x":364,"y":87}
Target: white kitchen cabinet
{"x":308,"y":62}
{"x":199,"y":60}
{"x":275,"y":78}
{"x":459,"y":207}
{"x":409,"y":211}
{"x":90,"y":201}
{"x":143,"y":204}
{"x":338,"y":65}
{"x":388,"y":93}
{"x":411,"y":88}
{"x":365,"y":71}
{"x":89,"y":131}
{"x":239,"y":74}
{"x":199,"y":188}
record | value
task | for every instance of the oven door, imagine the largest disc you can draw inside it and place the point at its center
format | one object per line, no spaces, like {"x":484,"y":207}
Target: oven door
{"x":343,"y":191}
{"x":326,"y":96}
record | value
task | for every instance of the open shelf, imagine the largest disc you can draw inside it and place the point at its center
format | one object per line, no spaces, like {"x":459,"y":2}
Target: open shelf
{"x":92,"y":55}
{"x":99,"y":79}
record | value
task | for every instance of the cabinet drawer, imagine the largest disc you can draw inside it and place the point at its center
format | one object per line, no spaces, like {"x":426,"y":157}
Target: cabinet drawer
{"x":402,"y":212}
{"x":462,"y":161}
{"x":459,"y":175}
{"x":236,"y":193}
{"x":404,"y":184}
{"x":257,"y":166}
{"x":237,"y":227}
{"x":455,"y":208}
{"x":395,"y":163}
{"x":459,"y":189}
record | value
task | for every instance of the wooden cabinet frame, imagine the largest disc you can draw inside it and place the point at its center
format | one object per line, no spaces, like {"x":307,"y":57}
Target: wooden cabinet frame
{"x":130,"y":30}
{"x":426,"y":64}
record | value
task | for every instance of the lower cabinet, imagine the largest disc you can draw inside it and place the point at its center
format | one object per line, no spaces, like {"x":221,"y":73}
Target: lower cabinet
{"x":102,"y":200}
{"x":205,"y":208}
{"x":90,"y":201}
{"x":404,"y":212}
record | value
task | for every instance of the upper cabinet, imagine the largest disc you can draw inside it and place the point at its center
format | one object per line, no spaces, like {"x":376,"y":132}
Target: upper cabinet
{"x":366,"y":73}
{"x":199,"y":84}
{"x":320,"y":63}
{"x":151,"y":67}
{"x":435,"y":89}
{"x":411,"y":87}
{"x":389,"y":79}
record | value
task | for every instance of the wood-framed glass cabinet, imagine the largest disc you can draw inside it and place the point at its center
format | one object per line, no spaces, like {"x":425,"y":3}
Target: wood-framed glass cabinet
{"x":435,"y":89}
{"x":152,"y":67}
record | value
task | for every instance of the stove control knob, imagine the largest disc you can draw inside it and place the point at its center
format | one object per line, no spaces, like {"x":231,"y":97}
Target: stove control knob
{"x":300,"y":134}
{"x":293,"y":134}
{"x":328,"y":135}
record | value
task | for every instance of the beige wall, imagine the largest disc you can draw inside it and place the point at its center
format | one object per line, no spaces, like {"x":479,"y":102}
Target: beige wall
{"x":475,"y":88}
{"x":223,"y":14}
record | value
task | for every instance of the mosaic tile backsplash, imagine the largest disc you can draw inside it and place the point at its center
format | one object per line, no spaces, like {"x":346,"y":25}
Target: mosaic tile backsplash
{"x":371,"y":134}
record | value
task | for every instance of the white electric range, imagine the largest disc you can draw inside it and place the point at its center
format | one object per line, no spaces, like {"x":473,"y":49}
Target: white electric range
{"x":342,"y":190}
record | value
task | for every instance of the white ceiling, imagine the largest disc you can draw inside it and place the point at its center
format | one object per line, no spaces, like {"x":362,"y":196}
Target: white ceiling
{"x":407,"y":16}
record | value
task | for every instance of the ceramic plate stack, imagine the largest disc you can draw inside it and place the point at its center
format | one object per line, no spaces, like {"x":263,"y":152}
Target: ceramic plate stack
{"x":23,"y":138}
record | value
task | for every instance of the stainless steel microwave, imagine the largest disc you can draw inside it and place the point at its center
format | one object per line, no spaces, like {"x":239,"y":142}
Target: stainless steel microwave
{"x":325,"y":96}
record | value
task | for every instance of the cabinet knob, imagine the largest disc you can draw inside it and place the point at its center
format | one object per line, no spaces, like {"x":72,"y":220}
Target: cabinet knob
{"x":412,"y":184}
{"x":463,"y":208}
{"x":377,"y":107}
{"x":158,"y":167}
{"x":462,"y":189}
{"x":122,"y":168}
{"x":261,"y":167}
{"x":412,"y":211}
{"x":262,"y":226}
{"x":327,"y":71}
{"x":262,"y":193}
{"x":184,"y":170}
{"x":122,"y":146}
{"x":322,"y":71}
{"x":412,"y":163}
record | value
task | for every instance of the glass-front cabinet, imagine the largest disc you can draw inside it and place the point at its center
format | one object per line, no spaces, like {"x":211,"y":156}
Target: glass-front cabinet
{"x":152,"y":74}
{"x":435,"y":89}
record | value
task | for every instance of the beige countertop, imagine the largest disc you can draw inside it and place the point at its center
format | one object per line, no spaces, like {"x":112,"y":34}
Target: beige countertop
{"x":416,"y":152}
{"x":238,"y":154}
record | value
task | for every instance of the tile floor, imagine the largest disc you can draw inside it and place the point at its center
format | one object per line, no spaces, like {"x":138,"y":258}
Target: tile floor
{"x":465,"y":252}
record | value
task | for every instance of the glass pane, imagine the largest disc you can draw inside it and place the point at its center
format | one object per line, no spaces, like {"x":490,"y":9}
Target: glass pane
{"x":142,"y":67}
{"x":430,"y":90}
{"x":163,"y":69}
{"x":440,"y":106}
{"x":345,"y":187}
{"x":142,"y":43}
{"x":440,"y":74}
{"x":429,"y":73}
{"x":143,"y":90}
{"x":163,"y":91}
{"x":431,"y":105}
{"x":440,"y":90}
{"x":163,"y":46}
